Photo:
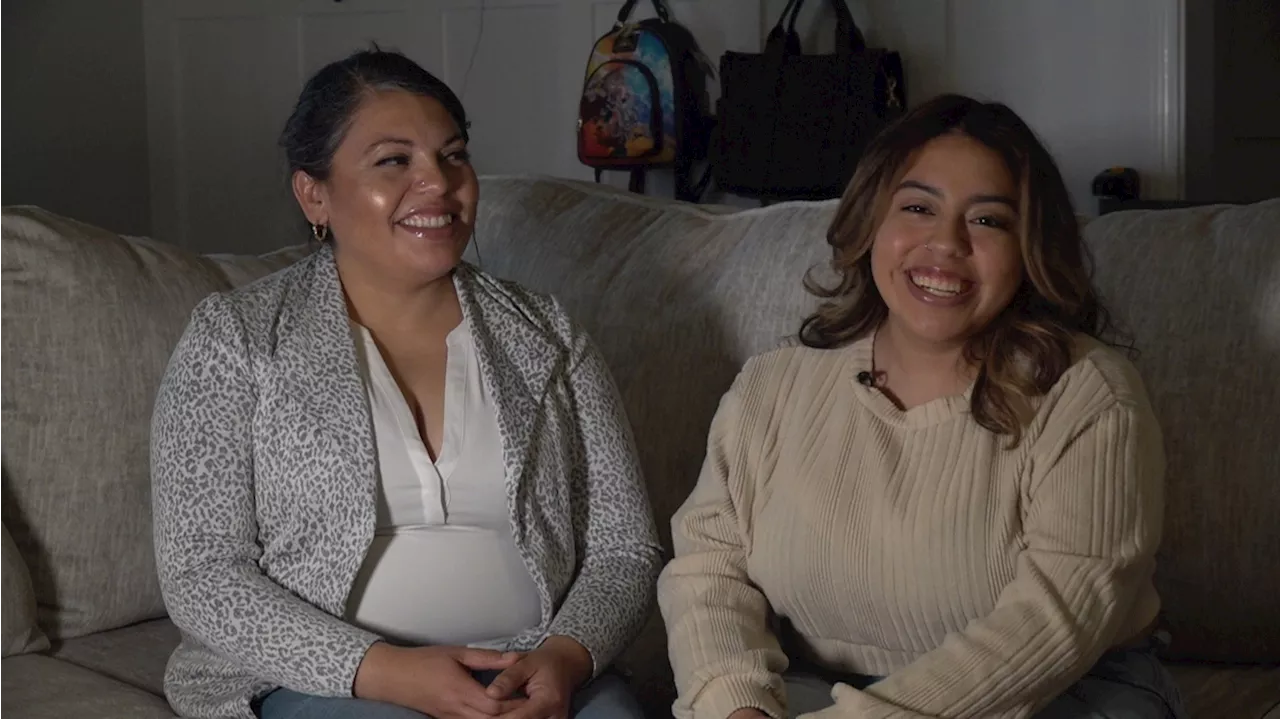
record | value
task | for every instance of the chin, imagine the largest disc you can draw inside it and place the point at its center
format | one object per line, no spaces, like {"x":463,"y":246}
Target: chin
{"x":429,"y":263}
{"x":938,"y":333}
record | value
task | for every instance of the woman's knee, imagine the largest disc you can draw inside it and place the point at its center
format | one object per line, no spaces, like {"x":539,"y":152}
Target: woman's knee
{"x":1132,"y":685}
{"x":608,"y":697}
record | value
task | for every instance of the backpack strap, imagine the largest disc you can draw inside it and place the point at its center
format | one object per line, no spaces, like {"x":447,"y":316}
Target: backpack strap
{"x":659,"y":6}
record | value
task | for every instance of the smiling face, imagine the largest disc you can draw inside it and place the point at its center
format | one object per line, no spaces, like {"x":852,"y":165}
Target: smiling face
{"x":946,"y":258}
{"x":400,"y":198}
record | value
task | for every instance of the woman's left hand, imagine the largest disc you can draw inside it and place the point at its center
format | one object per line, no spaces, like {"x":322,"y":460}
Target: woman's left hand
{"x":548,"y":676}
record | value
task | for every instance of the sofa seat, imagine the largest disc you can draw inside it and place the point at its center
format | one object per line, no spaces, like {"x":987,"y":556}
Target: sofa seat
{"x":1226,"y":691}
{"x":133,"y":655}
{"x":36,"y":686}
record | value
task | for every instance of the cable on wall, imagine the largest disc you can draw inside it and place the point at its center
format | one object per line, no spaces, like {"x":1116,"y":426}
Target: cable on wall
{"x":475,"y":50}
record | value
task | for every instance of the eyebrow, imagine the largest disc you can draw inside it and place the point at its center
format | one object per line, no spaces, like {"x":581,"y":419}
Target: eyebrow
{"x":406,"y":142}
{"x":974,"y":200}
{"x":387,"y":141}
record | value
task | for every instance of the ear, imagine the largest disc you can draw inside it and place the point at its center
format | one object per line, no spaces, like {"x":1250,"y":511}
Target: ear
{"x":312,"y":197}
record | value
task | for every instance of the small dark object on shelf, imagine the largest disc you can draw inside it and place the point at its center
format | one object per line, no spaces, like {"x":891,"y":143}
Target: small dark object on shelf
{"x":1115,"y":187}
{"x":1117,"y":183}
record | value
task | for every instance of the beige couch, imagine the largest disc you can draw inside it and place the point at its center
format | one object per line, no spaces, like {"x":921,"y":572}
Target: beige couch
{"x":677,"y":297}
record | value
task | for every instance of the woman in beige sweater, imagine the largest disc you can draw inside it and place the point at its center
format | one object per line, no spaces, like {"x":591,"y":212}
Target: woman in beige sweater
{"x":946,"y":502}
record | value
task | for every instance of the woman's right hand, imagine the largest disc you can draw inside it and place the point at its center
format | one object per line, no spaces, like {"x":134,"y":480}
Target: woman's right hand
{"x":436,"y":681}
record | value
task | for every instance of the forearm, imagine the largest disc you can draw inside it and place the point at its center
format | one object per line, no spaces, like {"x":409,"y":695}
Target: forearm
{"x":619,"y":552}
{"x":241,"y":614}
{"x":372,"y":680}
{"x":609,"y":602}
{"x":573,"y":656}
{"x":1046,"y":632}
{"x":723,"y":654}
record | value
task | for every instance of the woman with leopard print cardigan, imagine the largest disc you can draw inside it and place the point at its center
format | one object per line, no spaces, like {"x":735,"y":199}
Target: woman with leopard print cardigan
{"x":305,"y":416}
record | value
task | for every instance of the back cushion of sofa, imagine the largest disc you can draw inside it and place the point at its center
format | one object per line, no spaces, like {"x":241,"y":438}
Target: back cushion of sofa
{"x":90,"y":319}
{"x":1199,"y":290}
{"x":677,"y":297}
{"x":21,"y":634}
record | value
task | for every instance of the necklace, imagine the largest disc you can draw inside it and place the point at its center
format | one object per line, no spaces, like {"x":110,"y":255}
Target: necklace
{"x":871,"y":378}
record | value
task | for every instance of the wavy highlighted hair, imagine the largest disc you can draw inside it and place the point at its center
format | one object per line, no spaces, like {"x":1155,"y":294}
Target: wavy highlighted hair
{"x":1026,"y":349}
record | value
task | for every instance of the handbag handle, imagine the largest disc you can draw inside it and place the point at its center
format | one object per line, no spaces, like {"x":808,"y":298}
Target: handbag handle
{"x":849,"y":38}
{"x":783,"y":41}
{"x":659,"y":6}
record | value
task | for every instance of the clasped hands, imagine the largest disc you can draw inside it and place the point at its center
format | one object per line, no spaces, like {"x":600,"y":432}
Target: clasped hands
{"x":439,"y":681}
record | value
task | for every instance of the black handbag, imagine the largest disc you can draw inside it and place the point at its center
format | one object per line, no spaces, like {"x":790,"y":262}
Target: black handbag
{"x":793,"y":126}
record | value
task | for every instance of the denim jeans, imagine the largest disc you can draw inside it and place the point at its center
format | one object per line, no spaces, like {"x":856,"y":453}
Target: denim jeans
{"x":605,"y":698}
{"x":1122,"y":685}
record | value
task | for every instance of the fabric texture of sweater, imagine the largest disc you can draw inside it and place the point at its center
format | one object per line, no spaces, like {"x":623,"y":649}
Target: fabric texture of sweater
{"x":831,"y":528}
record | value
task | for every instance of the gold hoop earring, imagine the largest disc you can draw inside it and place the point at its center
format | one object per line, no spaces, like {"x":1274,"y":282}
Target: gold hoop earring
{"x":320,"y":232}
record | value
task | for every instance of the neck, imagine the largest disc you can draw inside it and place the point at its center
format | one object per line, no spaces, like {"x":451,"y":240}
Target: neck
{"x":400,"y":309}
{"x":913,"y":367}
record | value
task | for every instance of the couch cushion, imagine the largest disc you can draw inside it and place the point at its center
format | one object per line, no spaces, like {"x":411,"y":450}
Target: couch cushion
{"x":1239,"y":692}
{"x":134,"y":655}
{"x":90,"y":319}
{"x":21,"y":634}
{"x":677,"y":297}
{"x":1199,"y":290}
{"x":40,"y":687}
{"x":242,"y":269}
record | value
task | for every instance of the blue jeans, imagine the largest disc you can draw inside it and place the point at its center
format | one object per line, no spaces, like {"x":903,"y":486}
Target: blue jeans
{"x":605,"y":698}
{"x":1122,"y":685}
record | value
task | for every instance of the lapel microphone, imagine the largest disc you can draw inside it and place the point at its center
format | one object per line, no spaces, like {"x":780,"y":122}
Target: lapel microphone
{"x":866,"y":379}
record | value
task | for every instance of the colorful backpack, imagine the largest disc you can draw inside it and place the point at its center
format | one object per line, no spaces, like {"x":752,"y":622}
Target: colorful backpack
{"x":644,"y":102}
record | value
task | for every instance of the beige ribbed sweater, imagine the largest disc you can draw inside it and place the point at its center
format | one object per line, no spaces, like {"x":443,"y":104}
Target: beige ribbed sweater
{"x":981,"y":580}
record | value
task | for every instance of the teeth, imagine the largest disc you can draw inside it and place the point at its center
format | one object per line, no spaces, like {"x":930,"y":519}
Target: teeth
{"x":936,"y":285}
{"x":433,"y":223}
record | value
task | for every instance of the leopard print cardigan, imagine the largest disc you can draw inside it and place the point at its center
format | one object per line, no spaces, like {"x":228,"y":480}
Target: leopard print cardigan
{"x":264,"y":483}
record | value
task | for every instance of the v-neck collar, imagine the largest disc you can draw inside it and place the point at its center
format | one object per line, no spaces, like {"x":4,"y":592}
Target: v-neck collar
{"x":516,"y":352}
{"x":453,"y":423}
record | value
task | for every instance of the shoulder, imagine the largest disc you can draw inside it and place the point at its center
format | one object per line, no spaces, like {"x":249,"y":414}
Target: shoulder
{"x":264,"y":299}
{"x":793,"y":363}
{"x":1101,"y":383}
{"x":789,"y":379}
{"x":512,"y":306}
{"x":489,"y":288}
{"x":228,"y":330}
{"x":789,"y":362}
{"x":1100,"y":376}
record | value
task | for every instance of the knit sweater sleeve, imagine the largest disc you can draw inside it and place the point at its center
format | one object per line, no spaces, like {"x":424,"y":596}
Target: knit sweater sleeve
{"x":724,"y":655}
{"x":1092,"y":522}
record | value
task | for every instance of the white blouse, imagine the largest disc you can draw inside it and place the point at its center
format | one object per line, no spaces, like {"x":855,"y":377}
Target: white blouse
{"x":443,"y":567}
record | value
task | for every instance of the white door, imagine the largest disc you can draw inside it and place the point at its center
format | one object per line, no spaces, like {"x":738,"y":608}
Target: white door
{"x":222,"y":77}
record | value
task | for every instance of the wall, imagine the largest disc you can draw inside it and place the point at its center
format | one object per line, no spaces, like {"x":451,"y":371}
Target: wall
{"x":222,"y":76}
{"x":75,"y":135}
{"x":1098,"y":80}
{"x":1092,"y":76}
{"x":1232,"y":100}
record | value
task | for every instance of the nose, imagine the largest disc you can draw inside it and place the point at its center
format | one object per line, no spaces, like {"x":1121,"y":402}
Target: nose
{"x":430,"y":178}
{"x":951,"y":238}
